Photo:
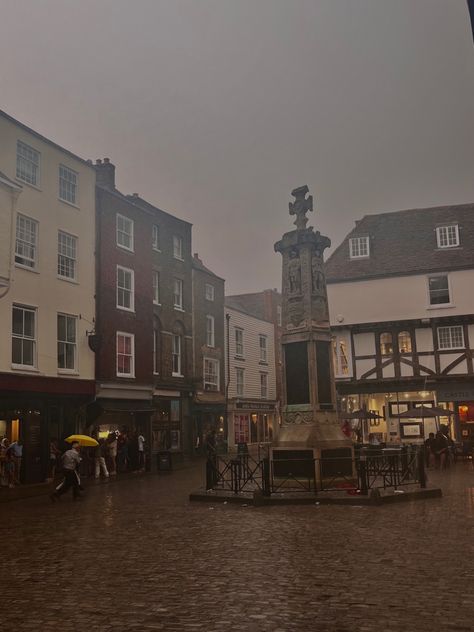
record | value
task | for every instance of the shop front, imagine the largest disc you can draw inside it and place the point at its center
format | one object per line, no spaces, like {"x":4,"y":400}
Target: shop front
{"x":36,"y":411}
{"x":209,"y":415}
{"x":251,"y":422}
{"x":171,"y":428}
{"x":386,"y":426}
{"x":462,"y":396}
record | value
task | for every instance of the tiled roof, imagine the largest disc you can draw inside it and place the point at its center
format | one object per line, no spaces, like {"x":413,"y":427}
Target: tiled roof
{"x":404,"y":242}
{"x":252,"y":304}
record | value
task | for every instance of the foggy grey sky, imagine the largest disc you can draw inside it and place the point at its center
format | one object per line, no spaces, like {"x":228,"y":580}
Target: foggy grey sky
{"x":215,"y":109}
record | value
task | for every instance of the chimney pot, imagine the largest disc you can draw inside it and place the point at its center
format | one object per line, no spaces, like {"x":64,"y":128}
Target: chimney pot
{"x":135,"y":195}
{"x":105,"y":173}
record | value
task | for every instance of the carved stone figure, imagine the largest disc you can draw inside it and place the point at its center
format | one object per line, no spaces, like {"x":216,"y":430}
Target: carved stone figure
{"x":301,"y":206}
{"x":318,"y":283}
{"x":294,"y":273}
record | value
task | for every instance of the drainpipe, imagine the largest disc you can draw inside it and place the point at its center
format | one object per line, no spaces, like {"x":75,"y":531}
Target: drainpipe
{"x":227,"y":381}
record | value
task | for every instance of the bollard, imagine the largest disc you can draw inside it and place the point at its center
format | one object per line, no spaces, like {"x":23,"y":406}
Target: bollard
{"x":421,"y":469}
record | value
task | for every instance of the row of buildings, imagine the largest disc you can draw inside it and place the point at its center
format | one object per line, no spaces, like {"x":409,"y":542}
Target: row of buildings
{"x":109,"y":321}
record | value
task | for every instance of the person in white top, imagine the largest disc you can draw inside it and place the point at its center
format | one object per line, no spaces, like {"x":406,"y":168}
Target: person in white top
{"x":141,"y":451}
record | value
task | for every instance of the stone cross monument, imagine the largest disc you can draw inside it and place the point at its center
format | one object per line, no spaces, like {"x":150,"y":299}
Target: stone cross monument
{"x":309,"y":417}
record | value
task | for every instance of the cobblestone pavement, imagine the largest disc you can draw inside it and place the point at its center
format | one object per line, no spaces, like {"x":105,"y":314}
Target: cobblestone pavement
{"x":137,"y":555}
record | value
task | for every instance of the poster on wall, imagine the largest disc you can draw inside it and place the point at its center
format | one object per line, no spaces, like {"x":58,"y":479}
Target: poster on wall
{"x":410,"y":430}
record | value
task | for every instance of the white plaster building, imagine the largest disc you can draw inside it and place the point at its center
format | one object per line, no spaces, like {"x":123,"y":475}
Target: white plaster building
{"x":250,"y":373}
{"x":47,"y":268}
{"x":400,"y":290}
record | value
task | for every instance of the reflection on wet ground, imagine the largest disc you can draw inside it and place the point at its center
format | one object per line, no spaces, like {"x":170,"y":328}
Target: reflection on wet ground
{"x":135,"y":555}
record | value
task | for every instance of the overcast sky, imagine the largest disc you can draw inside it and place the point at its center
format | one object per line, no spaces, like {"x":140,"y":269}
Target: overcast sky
{"x":216,"y":109}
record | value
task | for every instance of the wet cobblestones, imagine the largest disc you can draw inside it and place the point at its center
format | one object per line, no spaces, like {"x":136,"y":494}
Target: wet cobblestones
{"x":137,"y":555}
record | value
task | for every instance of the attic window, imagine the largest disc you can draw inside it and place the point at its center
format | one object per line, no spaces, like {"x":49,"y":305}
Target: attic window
{"x":359,"y":247}
{"x":447,"y":236}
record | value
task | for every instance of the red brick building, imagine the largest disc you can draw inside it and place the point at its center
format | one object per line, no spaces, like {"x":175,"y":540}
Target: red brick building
{"x":143,"y":335}
{"x":209,"y":346}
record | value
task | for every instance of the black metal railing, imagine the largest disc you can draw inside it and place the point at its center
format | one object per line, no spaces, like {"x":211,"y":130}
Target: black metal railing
{"x":361,"y":473}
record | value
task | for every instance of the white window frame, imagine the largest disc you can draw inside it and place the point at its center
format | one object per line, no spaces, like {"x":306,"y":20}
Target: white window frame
{"x":68,"y":185}
{"x":66,"y":258}
{"x":123,"y":288}
{"x":208,"y":384}
{"x":32,"y":227}
{"x":156,"y":287}
{"x":178,"y":284}
{"x":264,"y":385}
{"x":447,"y":236}
{"x":28,"y":168}
{"x":263,"y":348}
{"x":155,"y":238}
{"x":239,"y":383}
{"x":210,"y":331}
{"x":209,"y":292}
{"x":439,"y":305}
{"x":239,"y":344}
{"x":359,"y":247}
{"x":131,"y":337}
{"x":442,"y":343}
{"x":178,"y":247}
{"x":176,"y":353}
{"x":339,"y":360}
{"x":22,"y":336}
{"x":120,"y":232}
{"x":67,"y":343}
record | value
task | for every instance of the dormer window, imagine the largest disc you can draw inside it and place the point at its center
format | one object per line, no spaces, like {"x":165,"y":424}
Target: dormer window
{"x":359,"y":247}
{"x":447,"y":236}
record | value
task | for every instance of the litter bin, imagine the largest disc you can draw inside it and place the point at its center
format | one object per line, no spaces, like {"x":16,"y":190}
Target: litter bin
{"x":164,"y":462}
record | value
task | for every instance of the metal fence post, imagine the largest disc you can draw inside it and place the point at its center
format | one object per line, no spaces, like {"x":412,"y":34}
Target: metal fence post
{"x":421,"y":469}
{"x":235,"y":475}
{"x":210,"y":474}
{"x":266,"y":488}
{"x":364,"y":488}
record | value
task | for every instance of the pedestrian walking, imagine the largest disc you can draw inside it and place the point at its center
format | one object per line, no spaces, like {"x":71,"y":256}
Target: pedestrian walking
{"x":70,"y":462}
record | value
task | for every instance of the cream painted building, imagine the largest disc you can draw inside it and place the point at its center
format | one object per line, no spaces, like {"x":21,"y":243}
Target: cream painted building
{"x":402,"y":316}
{"x":250,"y":373}
{"x":47,"y":263}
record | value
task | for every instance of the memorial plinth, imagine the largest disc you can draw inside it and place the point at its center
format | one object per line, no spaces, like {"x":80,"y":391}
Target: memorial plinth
{"x":309,"y":415}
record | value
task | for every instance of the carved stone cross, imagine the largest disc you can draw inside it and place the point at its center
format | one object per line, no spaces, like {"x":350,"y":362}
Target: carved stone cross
{"x":301,"y":206}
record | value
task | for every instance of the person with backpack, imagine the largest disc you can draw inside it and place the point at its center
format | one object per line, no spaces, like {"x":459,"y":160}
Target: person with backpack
{"x":70,"y":462}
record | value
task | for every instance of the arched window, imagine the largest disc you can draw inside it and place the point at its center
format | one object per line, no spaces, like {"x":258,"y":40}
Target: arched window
{"x":386,"y":345}
{"x":404,"y":342}
{"x":156,"y":346}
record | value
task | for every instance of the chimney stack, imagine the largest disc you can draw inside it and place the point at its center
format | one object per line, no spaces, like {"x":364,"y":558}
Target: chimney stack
{"x":105,"y":173}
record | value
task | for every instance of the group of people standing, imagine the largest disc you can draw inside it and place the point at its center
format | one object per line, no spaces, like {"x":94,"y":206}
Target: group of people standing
{"x":119,"y":452}
{"x":440,"y":450}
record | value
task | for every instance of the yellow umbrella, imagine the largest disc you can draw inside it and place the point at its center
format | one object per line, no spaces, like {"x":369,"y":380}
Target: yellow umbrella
{"x":83,"y":440}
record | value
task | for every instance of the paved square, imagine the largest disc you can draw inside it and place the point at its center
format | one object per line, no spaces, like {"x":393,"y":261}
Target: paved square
{"x":136,"y":555}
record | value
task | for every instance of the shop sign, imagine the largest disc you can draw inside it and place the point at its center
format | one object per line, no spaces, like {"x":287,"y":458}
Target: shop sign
{"x":254,"y":406}
{"x":455,"y":393}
